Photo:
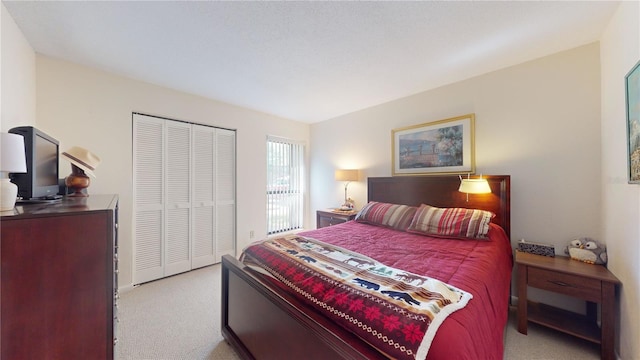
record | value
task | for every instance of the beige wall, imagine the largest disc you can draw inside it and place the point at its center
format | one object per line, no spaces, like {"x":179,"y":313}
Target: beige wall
{"x":620,"y":51}
{"x":18,"y":76}
{"x":538,"y":122}
{"x":89,"y":108}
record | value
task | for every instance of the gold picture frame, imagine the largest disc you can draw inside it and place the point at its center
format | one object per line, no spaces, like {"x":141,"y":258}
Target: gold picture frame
{"x":632,"y":87}
{"x":439,"y":147}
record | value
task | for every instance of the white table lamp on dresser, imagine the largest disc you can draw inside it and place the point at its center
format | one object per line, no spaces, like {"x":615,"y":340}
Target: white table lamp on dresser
{"x":12,"y":160}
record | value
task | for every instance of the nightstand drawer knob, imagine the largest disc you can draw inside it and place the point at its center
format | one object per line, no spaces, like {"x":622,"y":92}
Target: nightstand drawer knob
{"x":559,"y":283}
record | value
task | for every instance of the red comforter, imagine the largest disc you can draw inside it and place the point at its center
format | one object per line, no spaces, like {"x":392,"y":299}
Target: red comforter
{"x":481,"y":267}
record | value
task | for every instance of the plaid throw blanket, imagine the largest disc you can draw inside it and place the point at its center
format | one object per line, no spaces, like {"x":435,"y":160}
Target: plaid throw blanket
{"x":395,"y":311}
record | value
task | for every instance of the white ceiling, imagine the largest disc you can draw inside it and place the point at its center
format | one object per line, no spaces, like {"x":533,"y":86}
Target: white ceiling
{"x":306,"y":61}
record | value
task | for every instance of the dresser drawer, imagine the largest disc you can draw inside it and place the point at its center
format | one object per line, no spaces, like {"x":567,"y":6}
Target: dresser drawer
{"x":572,"y":285}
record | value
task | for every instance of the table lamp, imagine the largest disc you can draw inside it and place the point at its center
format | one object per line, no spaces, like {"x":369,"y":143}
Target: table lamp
{"x":347,"y":176}
{"x":12,"y":160}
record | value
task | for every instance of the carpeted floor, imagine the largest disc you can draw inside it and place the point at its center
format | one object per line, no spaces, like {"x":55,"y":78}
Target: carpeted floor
{"x":179,"y":318}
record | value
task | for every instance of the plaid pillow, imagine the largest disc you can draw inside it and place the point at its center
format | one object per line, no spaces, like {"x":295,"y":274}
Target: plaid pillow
{"x":451,"y":222}
{"x":388,"y":215}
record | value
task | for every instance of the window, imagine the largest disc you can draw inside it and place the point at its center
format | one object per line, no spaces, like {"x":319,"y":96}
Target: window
{"x":285,"y":165}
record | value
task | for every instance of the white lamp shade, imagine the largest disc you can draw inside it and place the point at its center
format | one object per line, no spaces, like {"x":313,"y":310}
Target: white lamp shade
{"x":474,"y":186}
{"x":12,"y":158}
{"x":347,"y":175}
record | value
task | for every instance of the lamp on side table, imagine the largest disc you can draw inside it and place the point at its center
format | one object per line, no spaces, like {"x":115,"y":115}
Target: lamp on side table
{"x":12,"y":160}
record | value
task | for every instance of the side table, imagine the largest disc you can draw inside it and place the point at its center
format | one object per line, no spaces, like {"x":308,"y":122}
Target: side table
{"x":329,"y":217}
{"x":592,"y":283}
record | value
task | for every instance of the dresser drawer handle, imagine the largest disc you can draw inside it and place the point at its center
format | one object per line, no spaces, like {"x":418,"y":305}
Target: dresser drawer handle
{"x":559,"y":283}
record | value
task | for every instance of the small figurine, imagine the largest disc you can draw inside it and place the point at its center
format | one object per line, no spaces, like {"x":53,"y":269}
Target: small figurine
{"x":350,"y":204}
{"x":587,"y":250}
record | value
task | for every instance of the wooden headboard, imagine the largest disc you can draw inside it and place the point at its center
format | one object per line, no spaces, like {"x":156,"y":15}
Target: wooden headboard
{"x":442,"y":191}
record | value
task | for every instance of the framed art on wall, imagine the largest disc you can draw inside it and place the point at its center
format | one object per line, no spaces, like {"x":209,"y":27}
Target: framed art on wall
{"x":438,"y":147}
{"x":632,"y":85}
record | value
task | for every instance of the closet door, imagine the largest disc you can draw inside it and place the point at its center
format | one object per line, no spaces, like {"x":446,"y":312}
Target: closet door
{"x":148,"y":196}
{"x":203,"y":194}
{"x":184,"y":196}
{"x":225,"y":193}
{"x":178,"y":198}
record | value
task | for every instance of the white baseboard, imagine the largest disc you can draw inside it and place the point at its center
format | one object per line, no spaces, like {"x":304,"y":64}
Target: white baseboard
{"x":126,"y":288}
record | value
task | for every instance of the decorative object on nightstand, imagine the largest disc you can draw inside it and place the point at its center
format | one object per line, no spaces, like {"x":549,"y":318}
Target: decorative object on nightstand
{"x":592,"y":283}
{"x":536,"y":248}
{"x":83,"y":162}
{"x":330,"y":217}
{"x":347,"y":176}
{"x":12,"y":160}
{"x":474,"y":186}
{"x":587,"y":250}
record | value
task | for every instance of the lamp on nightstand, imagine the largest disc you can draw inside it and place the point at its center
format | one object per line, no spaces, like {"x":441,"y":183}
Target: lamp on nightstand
{"x":12,"y":160}
{"x":347,"y":176}
{"x":474,"y":186}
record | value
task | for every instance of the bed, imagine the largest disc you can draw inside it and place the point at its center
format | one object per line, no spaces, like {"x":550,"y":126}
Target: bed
{"x":262,"y":320}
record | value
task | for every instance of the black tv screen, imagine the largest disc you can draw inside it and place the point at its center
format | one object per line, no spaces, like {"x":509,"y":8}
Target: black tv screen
{"x":46,"y":162}
{"x":42,"y":154}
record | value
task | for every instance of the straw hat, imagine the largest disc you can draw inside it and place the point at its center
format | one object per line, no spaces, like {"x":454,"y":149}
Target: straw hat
{"x":82,"y":158}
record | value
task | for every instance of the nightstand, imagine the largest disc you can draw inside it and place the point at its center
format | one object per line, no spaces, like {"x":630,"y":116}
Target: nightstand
{"x":592,"y":283}
{"x":332,"y":217}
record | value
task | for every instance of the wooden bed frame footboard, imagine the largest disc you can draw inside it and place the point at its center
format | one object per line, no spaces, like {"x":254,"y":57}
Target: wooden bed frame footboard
{"x":260,"y":322}
{"x":257,"y":320}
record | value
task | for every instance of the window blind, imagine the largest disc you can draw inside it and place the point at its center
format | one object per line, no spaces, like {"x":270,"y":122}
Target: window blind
{"x":285,"y":193}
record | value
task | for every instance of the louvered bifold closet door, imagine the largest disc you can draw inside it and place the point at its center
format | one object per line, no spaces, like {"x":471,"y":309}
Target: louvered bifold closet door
{"x":178,"y":198}
{"x":185,"y":196}
{"x":225,"y":193}
{"x":148,"y":194}
{"x":203,"y":194}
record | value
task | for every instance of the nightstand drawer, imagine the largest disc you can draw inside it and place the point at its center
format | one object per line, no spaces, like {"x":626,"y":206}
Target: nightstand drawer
{"x":573,"y":285}
{"x":328,"y":221}
{"x":328,"y":218}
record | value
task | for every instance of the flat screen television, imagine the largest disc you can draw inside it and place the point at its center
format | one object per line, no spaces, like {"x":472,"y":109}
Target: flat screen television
{"x":41,"y":151}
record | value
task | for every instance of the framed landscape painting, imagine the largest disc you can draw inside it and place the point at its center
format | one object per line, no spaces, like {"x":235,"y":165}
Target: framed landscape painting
{"x":439,"y":147}
{"x":632,"y":84}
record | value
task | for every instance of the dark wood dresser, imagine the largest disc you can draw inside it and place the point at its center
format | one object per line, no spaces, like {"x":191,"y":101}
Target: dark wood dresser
{"x":59,"y":279}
